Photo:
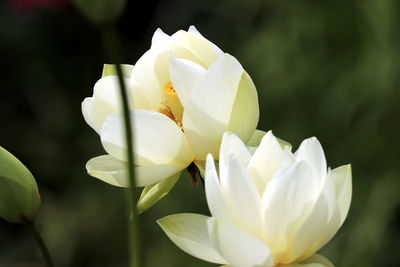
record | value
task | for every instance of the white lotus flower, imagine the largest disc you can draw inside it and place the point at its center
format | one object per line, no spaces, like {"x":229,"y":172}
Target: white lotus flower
{"x":270,"y":208}
{"x":186,"y":93}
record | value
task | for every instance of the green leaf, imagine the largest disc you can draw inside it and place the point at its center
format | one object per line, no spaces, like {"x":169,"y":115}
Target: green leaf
{"x":151,"y":194}
{"x":101,"y":11}
{"x":19,"y":195}
{"x":109,"y":70}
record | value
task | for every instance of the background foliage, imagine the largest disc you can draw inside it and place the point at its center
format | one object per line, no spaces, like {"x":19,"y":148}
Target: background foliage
{"x":323,"y":68}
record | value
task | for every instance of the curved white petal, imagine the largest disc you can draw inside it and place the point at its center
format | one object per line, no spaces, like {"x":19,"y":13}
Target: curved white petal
{"x":87,"y":107}
{"x":215,"y":197}
{"x":185,"y":74}
{"x":342,"y":178}
{"x":231,"y":143}
{"x":109,"y":170}
{"x":153,"y":173}
{"x":311,"y":151}
{"x":198,"y":45}
{"x":105,"y":101}
{"x":151,"y":73}
{"x":245,"y":110}
{"x":304,"y":240}
{"x":241,"y":192}
{"x":158,"y":140}
{"x":160,"y":38}
{"x":287,"y":201}
{"x":209,"y":107}
{"x":190,"y":233}
{"x":192,"y":30}
{"x":267,"y":160}
{"x":237,"y":247}
{"x":115,"y":172}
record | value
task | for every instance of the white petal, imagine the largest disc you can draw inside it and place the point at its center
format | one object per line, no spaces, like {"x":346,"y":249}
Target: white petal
{"x":153,"y":173}
{"x":343,"y":183}
{"x":114,"y":171}
{"x":160,"y":38}
{"x":190,"y":233}
{"x":210,"y":104}
{"x":109,"y":170}
{"x":237,"y":247}
{"x":305,"y":240}
{"x":87,"y":107}
{"x":151,"y":73}
{"x":241,"y":192}
{"x":185,"y":74}
{"x":105,"y":101}
{"x":311,"y":151}
{"x":215,"y":197}
{"x":341,"y":177}
{"x":158,"y":140}
{"x":287,"y":201}
{"x":245,"y":110}
{"x":140,"y":97}
{"x":267,"y":160}
{"x":201,"y":143}
{"x":199,"y":46}
{"x":194,"y":31}
{"x":231,"y":143}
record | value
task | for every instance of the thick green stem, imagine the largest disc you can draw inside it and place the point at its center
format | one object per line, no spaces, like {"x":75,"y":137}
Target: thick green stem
{"x":111,"y":43}
{"x":39,"y":240}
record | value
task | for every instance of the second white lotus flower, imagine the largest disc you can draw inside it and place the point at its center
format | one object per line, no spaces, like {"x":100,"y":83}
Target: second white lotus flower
{"x":270,"y":208}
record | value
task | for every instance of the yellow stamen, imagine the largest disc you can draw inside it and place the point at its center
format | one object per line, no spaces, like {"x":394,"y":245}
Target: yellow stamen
{"x":173,"y":104}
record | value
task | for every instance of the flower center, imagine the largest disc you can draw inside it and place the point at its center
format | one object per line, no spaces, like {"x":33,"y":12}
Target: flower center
{"x":173,"y":107}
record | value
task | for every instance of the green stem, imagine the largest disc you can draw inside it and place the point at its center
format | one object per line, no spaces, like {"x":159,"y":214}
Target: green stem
{"x":39,"y":240}
{"x":112,"y":46}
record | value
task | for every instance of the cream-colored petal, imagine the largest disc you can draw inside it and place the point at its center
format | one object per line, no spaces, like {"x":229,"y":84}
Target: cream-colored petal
{"x":192,"y":30}
{"x":153,"y":173}
{"x":241,"y":192}
{"x":311,"y":151}
{"x":217,"y":203}
{"x":105,"y":101}
{"x":306,"y":239}
{"x":245,"y":110}
{"x":87,"y":107}
{"x":199,"y":46}
{"x":109,"y":170}
{"x":237,"y":247}
{"x":160,"y":38}
{"x":231,"y":143}
{"x":190,"y":233}
{"x":209,"y":107}
{"x":184,"y":74}
{"x":151,"y":73}
{"x":342,"y":178}
{"x":114,"y":171}
{"x":287,"y":201}
{"x":267,"y":160}
{"x":158,"y":140}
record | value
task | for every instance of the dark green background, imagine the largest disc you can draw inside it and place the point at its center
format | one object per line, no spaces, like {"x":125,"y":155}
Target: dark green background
{"x":322,"y":68}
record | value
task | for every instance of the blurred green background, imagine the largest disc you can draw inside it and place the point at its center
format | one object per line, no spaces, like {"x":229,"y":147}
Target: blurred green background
{"x":322,"y":68}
